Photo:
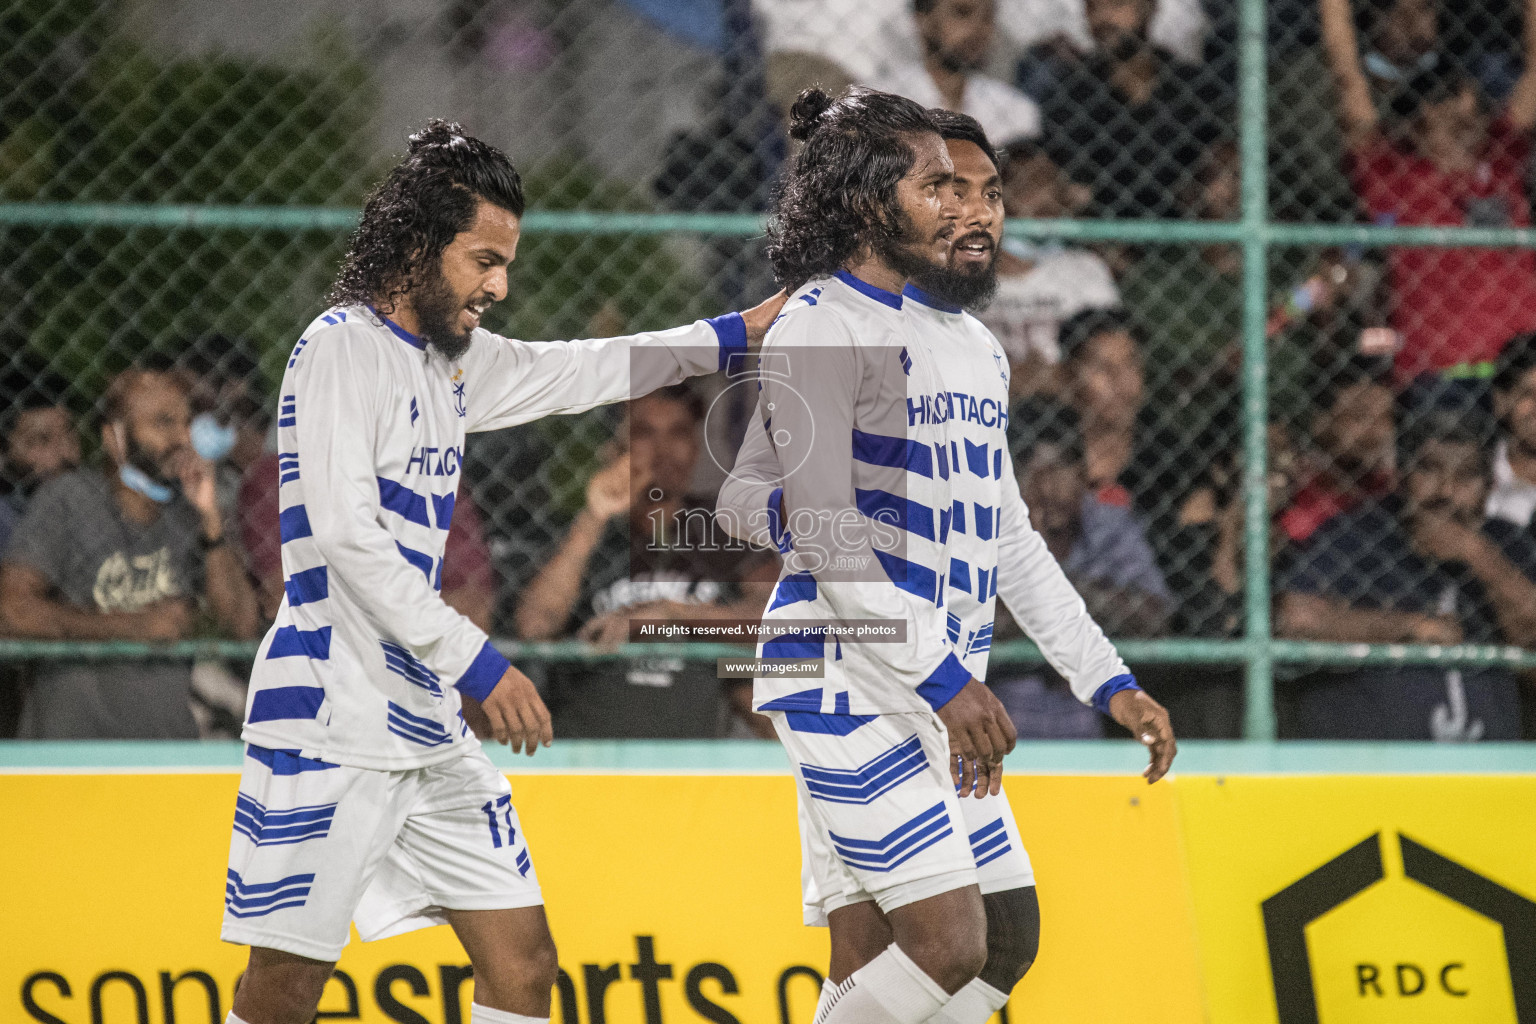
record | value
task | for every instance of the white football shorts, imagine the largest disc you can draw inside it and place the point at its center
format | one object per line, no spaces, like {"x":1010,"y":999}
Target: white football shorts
{"x":879,"y":817}
{"x":317,"y":846}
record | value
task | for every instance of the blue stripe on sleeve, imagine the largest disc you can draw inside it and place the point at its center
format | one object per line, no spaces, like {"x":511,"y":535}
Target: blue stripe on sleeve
{"x":1110,"y":688}
{"x":776,"y":528}
{"x":944,"y":682}
{"x":293,"y":523}
{"x":401,"y":500}
{"x":308,"y":585}
{"x":420,"y":559}
{"x":731,"y":330}
{"x":483,"y":673}
{"x":792,"y":589}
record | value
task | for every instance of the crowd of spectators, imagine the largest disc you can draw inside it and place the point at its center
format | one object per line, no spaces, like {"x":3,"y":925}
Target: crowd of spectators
{"x":1402,"y":440}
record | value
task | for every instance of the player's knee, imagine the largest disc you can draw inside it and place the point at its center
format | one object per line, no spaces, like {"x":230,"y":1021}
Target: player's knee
{"x":532,"y":969}
{"x":280,"y":988}
{"x":543,"y":965}
{"x":1013,"y":936}
{"x":950,"y":952}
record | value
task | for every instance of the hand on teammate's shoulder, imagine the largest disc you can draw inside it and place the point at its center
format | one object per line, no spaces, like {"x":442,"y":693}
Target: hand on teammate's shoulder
{"x":761,"y":317}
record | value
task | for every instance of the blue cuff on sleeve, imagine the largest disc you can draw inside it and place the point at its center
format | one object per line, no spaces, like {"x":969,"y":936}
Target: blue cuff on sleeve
{"x":483,"y":673}
{"x":731,"y":329}
{"x":1103,"y":693}
{"x":944,"y":682}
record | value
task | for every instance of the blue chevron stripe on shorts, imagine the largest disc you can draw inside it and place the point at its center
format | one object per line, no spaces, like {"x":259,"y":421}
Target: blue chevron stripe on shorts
{"x":870,"y":780}
{"x":990,"y":842}
{"x":898,"y":846}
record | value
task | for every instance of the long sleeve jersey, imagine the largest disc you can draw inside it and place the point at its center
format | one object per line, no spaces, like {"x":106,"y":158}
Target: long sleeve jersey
{"x":992,"y":550}
{"x":863,"y":495}
{"x":361,"y":664}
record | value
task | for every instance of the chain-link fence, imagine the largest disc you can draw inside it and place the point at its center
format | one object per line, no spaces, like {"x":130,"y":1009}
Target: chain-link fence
{"x":1266,"y":287}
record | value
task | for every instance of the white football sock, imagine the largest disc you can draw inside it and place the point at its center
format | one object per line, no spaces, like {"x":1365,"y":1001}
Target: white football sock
{"x":974,"y":1004}
{"x":485,"y":1015}
{"x":825,"y":1001}
{"x":232,"y":1019}
{"x":890,"y":989}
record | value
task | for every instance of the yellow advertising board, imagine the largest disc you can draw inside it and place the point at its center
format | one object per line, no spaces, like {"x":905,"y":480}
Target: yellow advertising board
{"x":1364,"y":899}
{"x":681,"y":887}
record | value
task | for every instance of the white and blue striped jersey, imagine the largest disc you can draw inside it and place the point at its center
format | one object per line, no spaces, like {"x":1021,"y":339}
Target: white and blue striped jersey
{"x":990,"y":548}
{"x":360,"y":666}
{"x":865,"y":496}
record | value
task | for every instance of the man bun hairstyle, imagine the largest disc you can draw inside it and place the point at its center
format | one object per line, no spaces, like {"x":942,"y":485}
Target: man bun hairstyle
{"x":841,"y":186}
{"x":806,"y":113}
{"x":420,"y":206}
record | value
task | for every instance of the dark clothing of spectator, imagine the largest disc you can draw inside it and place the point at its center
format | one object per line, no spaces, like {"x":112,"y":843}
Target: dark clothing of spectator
{"x":1112,"y":549}
{"x":1453,"y":307}
{"x":662,"y":696}
{"x":1364,"y":557}
{"x":10,"y":515}
{"x":74,"y":535}
{"x":1160,"y":473}
{"x":1136,"y":158}
{"x":1318,"y":500}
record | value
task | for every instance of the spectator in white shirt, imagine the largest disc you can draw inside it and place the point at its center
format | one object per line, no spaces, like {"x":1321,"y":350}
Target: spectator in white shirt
{"x":1513,"y":496}
{"x":927,"y":50}
{"x":1039,"y":286}
{"x":832,"y":43}
{"x":957,"y":38}
{"x":1178,"y":26}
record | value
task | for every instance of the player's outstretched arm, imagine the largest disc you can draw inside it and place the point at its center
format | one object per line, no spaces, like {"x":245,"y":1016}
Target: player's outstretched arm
{"x":337,"y":403}
{"x":509,"y":382}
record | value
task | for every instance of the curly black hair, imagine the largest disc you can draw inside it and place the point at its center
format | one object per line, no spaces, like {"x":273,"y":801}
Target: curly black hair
{"x":412,"y":215}
{"x":842,"y":185}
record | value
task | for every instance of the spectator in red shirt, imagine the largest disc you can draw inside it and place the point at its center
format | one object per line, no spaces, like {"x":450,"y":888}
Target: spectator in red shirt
{"x":1458,"y":164}
{"x":469,"y":581}
{"x":1354,"y":454}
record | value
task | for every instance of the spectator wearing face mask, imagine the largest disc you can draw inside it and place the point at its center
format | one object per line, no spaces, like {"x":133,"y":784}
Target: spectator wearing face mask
{"x":230,"y":417}
{"x":136,"y":550}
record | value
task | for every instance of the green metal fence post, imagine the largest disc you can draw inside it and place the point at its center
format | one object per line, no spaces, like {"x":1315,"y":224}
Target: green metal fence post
{"x":1259,"y":716}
